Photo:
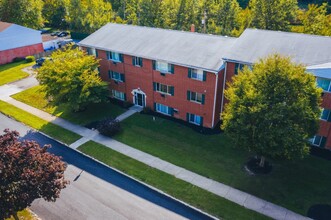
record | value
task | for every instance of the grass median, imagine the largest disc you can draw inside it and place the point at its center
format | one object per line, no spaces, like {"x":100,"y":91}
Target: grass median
{"x":177,"y":188}
{"x":35,"y":122}
{"x":13,"y":71}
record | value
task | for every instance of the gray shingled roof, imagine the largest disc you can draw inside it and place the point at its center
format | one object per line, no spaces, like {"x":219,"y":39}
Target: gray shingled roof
{"x":255,"y":44}
{"x":177,"y":47}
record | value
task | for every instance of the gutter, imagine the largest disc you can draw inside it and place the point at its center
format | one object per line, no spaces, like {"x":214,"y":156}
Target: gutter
{"x":222,"y":103}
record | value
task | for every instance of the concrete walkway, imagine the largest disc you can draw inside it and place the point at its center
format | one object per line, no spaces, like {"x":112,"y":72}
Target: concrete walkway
{"x":232,"y":194}
{"x":132,"y":110}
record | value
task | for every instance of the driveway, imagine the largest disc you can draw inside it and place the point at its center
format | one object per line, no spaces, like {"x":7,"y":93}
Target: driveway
{"x":98,"y":192}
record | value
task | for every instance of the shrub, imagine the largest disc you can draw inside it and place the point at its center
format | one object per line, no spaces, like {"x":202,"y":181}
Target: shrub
{"x":30,"y":59}
{"x":147,"y":110}
{"x":109,"y":127}
{"x":18,"y":59}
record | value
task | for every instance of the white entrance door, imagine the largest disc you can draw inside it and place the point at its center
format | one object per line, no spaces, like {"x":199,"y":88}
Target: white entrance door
{"x":139,"y":99}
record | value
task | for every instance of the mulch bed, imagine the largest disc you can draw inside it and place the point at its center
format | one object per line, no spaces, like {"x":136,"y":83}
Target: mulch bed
{"x":320,"y":212}
{"x":253,"y":167}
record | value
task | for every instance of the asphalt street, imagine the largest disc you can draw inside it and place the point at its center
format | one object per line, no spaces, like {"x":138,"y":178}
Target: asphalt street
{"x":98,"y":192}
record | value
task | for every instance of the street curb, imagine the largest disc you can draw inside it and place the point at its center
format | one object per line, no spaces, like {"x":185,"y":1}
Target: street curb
{"x":124,"y":174}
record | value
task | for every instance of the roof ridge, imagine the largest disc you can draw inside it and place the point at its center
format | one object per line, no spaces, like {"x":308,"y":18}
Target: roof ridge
{"x":289,"y":33}
{"x":180,"y":31}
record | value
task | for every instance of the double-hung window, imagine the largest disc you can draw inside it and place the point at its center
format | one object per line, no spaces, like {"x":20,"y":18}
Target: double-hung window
{"x":318,"y":141}
{"x":194,"y":119}
{"x":118,"y":95}
{"x":239,"y":67}
{"x":91,"y":51}
{"x":196,"y":97}
{"x":137,"y":61}
{"x":325,"y":84}
{"x":116,"y":76}
{"x":163,"y":109}
{"x":162,"y":88}
{"x":326,"y":115}
{"x":163,"y":67}
{"x":197,"y":74}
{"x":116,"y":57}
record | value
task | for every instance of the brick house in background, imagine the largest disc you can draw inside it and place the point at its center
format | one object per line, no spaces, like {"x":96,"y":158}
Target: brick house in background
{"x":184,"y":74}
{"x":18,"y":41}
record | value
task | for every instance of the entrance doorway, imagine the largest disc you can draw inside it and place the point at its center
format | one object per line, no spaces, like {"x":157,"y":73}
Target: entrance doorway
{"x":139,"y":98}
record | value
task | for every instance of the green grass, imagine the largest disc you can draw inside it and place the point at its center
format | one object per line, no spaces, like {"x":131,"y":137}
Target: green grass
{"x":294,"y":185}
{"x":12,"y":72}
{"x":182,"y":190}
{"x":50,"y":129}
{"x":94,"y":112}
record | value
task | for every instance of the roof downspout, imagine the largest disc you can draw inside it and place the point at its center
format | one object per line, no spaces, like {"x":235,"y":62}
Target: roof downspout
{"x":215,"y":95}
{"x":222,"y":103}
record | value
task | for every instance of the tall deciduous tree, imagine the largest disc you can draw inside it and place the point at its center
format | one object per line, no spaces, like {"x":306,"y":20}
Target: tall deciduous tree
{"x":23,"y":12}
{"x":88,"y":15}
{"x":54,"y":12}
{"x":273,"y":109}
{"x":27,"y":172}
{"x":273,"y":14}
{"x":316,"y":20}
{"x":71,"y":77}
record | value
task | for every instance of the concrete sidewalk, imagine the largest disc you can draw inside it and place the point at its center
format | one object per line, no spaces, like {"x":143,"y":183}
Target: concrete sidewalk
{"x":232,"y":194}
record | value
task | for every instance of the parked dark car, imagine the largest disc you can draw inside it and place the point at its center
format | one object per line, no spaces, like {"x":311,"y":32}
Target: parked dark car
{"x":41,"y":60}
{"x":63,"y":34}
{"x":55,"y":33}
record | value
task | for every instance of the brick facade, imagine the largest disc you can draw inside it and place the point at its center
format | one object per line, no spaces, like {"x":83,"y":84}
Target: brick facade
{"x":7,"y":56}
{"x":142,"y":78}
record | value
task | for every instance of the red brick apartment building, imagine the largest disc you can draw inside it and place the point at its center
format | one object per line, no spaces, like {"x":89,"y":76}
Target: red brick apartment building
{"x":184,"y":74}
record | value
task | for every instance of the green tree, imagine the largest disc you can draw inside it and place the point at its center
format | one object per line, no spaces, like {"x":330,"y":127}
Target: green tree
{"x":54,"y":12}
{"x":28,"y":172}
{"x":273,"y":14}
{"x":72,"y":78}
{"x":316,"y":20}
{"x":88,"y":16}
{"x":23,"y":12}
{"x":151,"y":13}
{"x":273,"y":109}
{"x":228,"y":15}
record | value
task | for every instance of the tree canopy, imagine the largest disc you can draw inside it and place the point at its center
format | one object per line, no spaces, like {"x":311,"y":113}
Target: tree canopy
{"x":27,"y":172}
{"x":273,"y":109}
{"x":72,"y":77}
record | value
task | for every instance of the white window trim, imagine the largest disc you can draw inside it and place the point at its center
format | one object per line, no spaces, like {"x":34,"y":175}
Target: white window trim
{"x":161,"y":111}
{"x":329,"y":88}
{"x":115,"y":91}
{"x":165,"y":93}
{"x":326,"y":117}
{"x":193,"y":122}
{"x":198,"y":72}
{"x":162,"y":71}
{"x":117,"y":80}
{"x":319,"y":144}
{"x":135,"y":60}
{"x":119,"y":56}
{"x":195,"y":101}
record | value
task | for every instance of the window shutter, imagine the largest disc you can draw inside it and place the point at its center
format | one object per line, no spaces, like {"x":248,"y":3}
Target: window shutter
{"x":203,"y":99}
{"x":133,"y":60}
{"x":154,"y":86}
{"x":96,"y":53}
{"x":323,"y":141}
{"x":189,"y":73}
{"x":110,"y":74}
{"x":122,"y":77}
{"x":121,"y":58}
{"x":201,"y":121}
{"x":204,"y":75}
{"x":171,"y":111}
{"x":172,"y":90}
{"x":154,"y":106}
{"x":329,"y":117}
{"x":188,"y":95}
{"x":124,"y":97}
{"x":154,"y":65}
{"x":110,"y":56}
{"x":171,"y":68}
{"x":236,"y":68}
{"x":141,"y":61}
{"x":188,"y":117}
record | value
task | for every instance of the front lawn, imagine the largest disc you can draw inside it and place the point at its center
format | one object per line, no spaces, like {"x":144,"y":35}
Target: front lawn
{"x":94,"y":112}
{"x":180,"y":189}
{"x":13,"y":71}
{"x":294,"y":185}
{"x":50,"y":129}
